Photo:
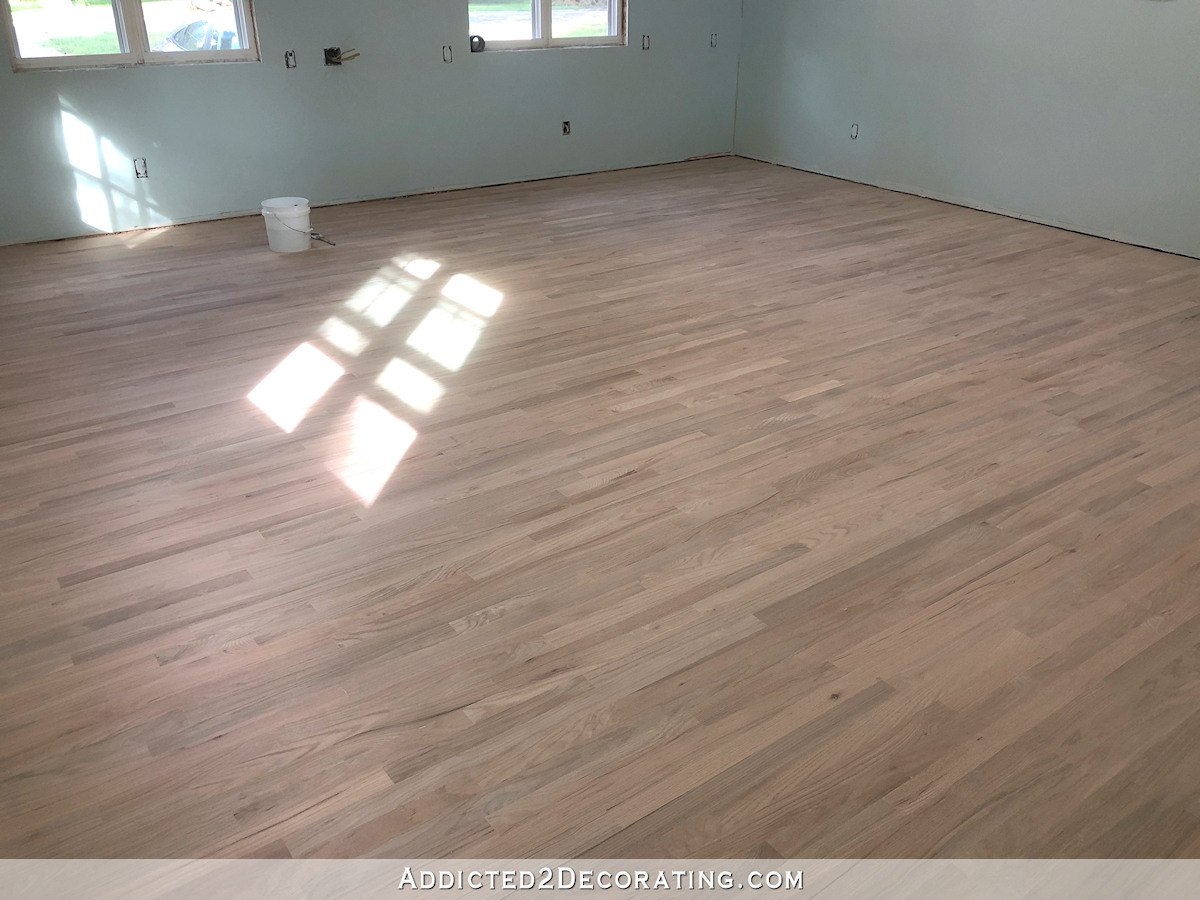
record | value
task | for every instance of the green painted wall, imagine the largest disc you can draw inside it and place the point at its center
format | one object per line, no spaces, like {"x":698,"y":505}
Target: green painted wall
{"x":1082,"y":113}
{"x":220,"y":138}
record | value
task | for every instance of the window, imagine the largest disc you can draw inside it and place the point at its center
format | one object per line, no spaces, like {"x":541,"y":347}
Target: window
{"x":62,"y":34}
{"x":522,"y":24}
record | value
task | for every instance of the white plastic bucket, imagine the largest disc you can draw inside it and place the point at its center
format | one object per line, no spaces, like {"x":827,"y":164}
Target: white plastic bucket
{"x":287,"y":224}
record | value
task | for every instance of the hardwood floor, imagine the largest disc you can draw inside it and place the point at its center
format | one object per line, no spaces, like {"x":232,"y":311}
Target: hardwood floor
{"x":767,"y":514}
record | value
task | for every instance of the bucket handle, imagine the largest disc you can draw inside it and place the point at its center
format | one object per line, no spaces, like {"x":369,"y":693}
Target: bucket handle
{"x":268,"y":212}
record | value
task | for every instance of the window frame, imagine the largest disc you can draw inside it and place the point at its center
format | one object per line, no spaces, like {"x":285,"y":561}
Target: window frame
{"x":618,"y":20}
{"x":132,"y":34}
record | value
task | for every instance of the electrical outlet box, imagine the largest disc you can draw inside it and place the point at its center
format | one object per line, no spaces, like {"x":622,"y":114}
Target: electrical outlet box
{"x":566,"y":128}
{"x":333,"y":56}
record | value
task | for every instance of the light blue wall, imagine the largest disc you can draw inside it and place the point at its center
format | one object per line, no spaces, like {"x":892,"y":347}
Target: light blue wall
{"x":220,"y":138}
{"x":1084,"y":113}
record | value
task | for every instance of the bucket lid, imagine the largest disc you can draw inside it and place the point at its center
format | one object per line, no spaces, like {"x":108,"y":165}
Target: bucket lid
{"x":284,"y":202}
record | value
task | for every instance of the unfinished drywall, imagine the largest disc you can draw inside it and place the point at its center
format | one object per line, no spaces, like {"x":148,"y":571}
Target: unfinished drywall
{"x":218,"y":139}
{"x":1083,"y":113}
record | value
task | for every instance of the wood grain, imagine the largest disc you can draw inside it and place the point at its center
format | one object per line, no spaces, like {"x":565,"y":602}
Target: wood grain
{"x":768,"y":514}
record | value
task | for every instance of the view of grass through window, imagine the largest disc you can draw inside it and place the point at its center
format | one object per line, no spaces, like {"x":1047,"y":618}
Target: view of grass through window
{"x":513,"y":20}
{"x":585,"y":18}
{"x":48,"y":28}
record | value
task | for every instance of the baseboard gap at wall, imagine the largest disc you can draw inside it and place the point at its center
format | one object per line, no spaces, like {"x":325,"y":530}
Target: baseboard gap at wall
{"x":978,"y":206}
{"x":244,"y":213}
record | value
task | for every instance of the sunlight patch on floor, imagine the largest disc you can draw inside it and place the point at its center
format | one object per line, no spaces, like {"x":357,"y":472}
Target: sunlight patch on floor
{"x":471,"y":294}
{"x":422,"y":268}
{"x":295,"y":386}
{"x":375,"y":442}
{"x":345,"y":337}
{"x":410,"y":385}
{"x":447,"y":335}
{"x":382,"y":297}
{"x":370,"y":441}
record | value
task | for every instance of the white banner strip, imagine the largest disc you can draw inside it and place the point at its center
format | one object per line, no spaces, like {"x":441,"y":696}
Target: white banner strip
{"x":562,"y":879}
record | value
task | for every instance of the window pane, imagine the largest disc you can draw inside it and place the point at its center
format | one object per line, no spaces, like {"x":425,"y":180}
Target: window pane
{"x":192,"y":26}
{"x":580,"y":18}
{"x":498,"y":20}
{"x":46,"y":28}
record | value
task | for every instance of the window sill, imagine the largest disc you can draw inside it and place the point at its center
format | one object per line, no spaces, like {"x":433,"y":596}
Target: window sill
{"x":55,"y":65}
{"x":592,"y":44}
